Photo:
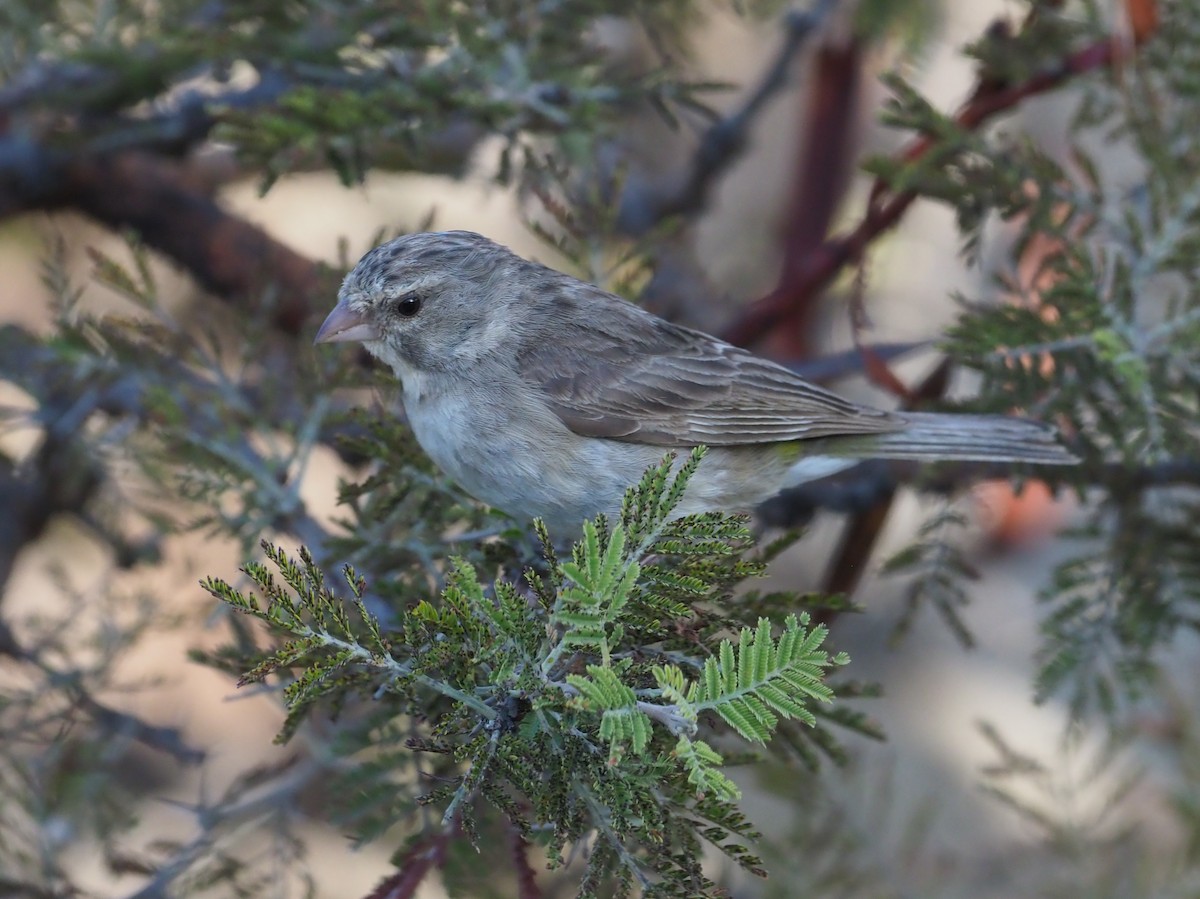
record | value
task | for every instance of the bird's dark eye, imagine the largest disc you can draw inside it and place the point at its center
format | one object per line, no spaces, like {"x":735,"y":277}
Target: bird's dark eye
{"x":409,"y":305}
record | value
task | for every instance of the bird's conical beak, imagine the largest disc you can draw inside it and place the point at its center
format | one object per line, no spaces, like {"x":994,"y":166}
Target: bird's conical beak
{"x":344,"y":324}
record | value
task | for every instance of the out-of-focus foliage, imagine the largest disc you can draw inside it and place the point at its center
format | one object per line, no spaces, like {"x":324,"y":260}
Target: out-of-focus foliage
{"x":1097,"y":332}
{"x":349,"y":84}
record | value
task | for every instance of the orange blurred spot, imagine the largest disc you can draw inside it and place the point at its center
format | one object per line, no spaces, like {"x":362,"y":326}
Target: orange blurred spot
{"x":1016,"y":520}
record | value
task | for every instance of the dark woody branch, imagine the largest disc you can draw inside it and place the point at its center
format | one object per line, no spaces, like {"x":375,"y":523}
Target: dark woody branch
{"x":723,"y":142}
{"x":418,"y":862}
{"x":860,"y":488}
{"x":519,"y":848}
{"x":155,"y":197}
{"x":805,"y":276}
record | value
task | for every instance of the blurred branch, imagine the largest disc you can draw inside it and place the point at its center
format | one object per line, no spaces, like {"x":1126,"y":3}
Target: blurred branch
{"x":61,"y":476}
{"x":175,"y":128}
{"x":857,"y":490}
{"x":37,"y":173}
{"x":825,"y":164}
{"x":805,"y":276}
{"x":854,"y":361}
{"x":723,"y":142}
{"x":171,"y":213}
{"x":527,"y":885}
{"x":422,"y":857}
{"x":246,"y":803}
{"x":68,"y":477}
{"x":114,"y":722}
{"x":858,"y":541}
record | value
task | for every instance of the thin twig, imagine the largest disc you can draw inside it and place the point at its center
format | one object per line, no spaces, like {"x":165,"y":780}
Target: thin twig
{"x":246,"y":811}
{"x":724,"y":141}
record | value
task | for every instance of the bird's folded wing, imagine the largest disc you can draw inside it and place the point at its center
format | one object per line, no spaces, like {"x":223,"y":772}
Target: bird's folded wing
{"x":664,"y":385}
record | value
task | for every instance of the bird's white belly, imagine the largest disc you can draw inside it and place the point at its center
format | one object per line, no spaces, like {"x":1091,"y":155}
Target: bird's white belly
{"x":520,"y":458}
{"x":523,"y":460}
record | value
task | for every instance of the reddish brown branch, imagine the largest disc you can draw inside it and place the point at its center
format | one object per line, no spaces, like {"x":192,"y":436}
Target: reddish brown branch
{"x":423,"y":857}
{"x":806,"y":275}
{"x":828,"y":144}
{"x":862,"y":532}
{"x":824,"y":173}
{"x":172,"y":213}
{"x":226,"y":254}
{"x":527,"y":885}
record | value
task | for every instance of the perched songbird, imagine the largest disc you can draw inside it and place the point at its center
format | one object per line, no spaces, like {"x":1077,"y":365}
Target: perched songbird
{"x":543,"y":395}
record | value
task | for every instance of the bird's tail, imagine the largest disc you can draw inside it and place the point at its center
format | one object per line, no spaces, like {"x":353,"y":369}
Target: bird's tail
{"x":979,"y":438}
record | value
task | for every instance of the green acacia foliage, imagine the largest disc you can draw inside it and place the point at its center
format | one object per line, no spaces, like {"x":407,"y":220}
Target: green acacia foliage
{"x":543,"y":709}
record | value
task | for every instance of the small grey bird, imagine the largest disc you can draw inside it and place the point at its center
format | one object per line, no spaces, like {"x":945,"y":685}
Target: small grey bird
{"x":546,"y":396}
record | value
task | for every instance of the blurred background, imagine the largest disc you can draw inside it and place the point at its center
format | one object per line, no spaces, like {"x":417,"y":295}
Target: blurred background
{"x":909,"y":810}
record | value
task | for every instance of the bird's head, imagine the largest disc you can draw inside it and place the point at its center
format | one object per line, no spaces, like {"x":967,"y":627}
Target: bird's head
{"x":426,"y":301}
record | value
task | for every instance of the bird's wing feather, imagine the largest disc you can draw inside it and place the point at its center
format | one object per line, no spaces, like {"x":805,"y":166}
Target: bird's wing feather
{"x":628,"y":375}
